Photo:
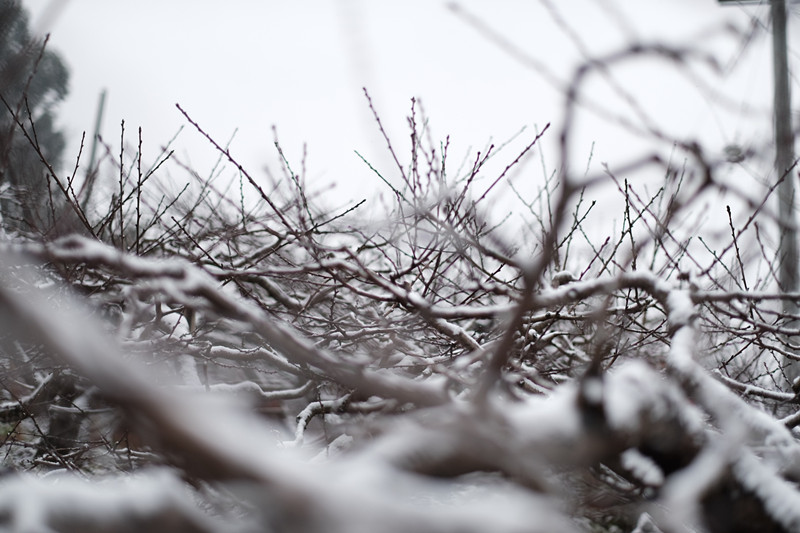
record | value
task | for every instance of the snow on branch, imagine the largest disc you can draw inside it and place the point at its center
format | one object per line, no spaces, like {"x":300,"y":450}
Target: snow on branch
{"x":212,"y":362}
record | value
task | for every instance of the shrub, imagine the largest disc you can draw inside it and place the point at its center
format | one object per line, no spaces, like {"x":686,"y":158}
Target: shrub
{"x":212,"y":361}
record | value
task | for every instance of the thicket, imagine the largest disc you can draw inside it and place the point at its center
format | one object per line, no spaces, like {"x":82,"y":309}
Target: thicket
{"x":233,"y":355}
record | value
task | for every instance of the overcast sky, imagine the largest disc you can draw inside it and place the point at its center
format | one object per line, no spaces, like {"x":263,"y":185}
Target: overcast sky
{"x":300,"y":65}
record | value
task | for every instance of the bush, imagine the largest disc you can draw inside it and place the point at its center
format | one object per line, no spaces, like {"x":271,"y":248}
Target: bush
{"x":210,"y":361}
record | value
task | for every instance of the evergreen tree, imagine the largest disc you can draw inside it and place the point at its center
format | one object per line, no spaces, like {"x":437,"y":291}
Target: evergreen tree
{"x":33,"y":81}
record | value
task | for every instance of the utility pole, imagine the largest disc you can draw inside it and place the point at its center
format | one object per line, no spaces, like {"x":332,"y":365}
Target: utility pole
{"x":788,"y":256}
{"x":784,"y":158}
{"x":91,"y":171}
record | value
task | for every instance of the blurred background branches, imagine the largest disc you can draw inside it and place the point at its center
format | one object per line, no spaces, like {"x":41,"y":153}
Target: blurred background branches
{"x":227,"y":351}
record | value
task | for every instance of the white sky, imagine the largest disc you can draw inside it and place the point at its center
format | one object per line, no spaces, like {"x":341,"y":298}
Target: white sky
{"x":300,"y":65}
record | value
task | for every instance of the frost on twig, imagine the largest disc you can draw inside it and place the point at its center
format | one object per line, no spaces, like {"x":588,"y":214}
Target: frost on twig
{"x":219,"y":362}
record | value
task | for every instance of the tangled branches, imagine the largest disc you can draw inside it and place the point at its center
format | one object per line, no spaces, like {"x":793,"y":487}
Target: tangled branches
{"x":293,"y":368}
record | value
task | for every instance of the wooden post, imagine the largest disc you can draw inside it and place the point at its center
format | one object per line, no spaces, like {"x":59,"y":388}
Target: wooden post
{"x":784,"y":159}
{"x":788,"y":256}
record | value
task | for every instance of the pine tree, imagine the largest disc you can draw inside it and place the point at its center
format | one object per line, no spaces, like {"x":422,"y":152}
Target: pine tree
{"x":33,"y":81}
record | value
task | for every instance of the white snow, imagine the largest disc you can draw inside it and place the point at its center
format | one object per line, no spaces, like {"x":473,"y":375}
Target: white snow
{"x":593,"y":390}
{"x":642,"y":467}
{"x":562,"y":278}
{"x":681,"y":308}
{"x":780,"y":497}
{"x":33,"y":503}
